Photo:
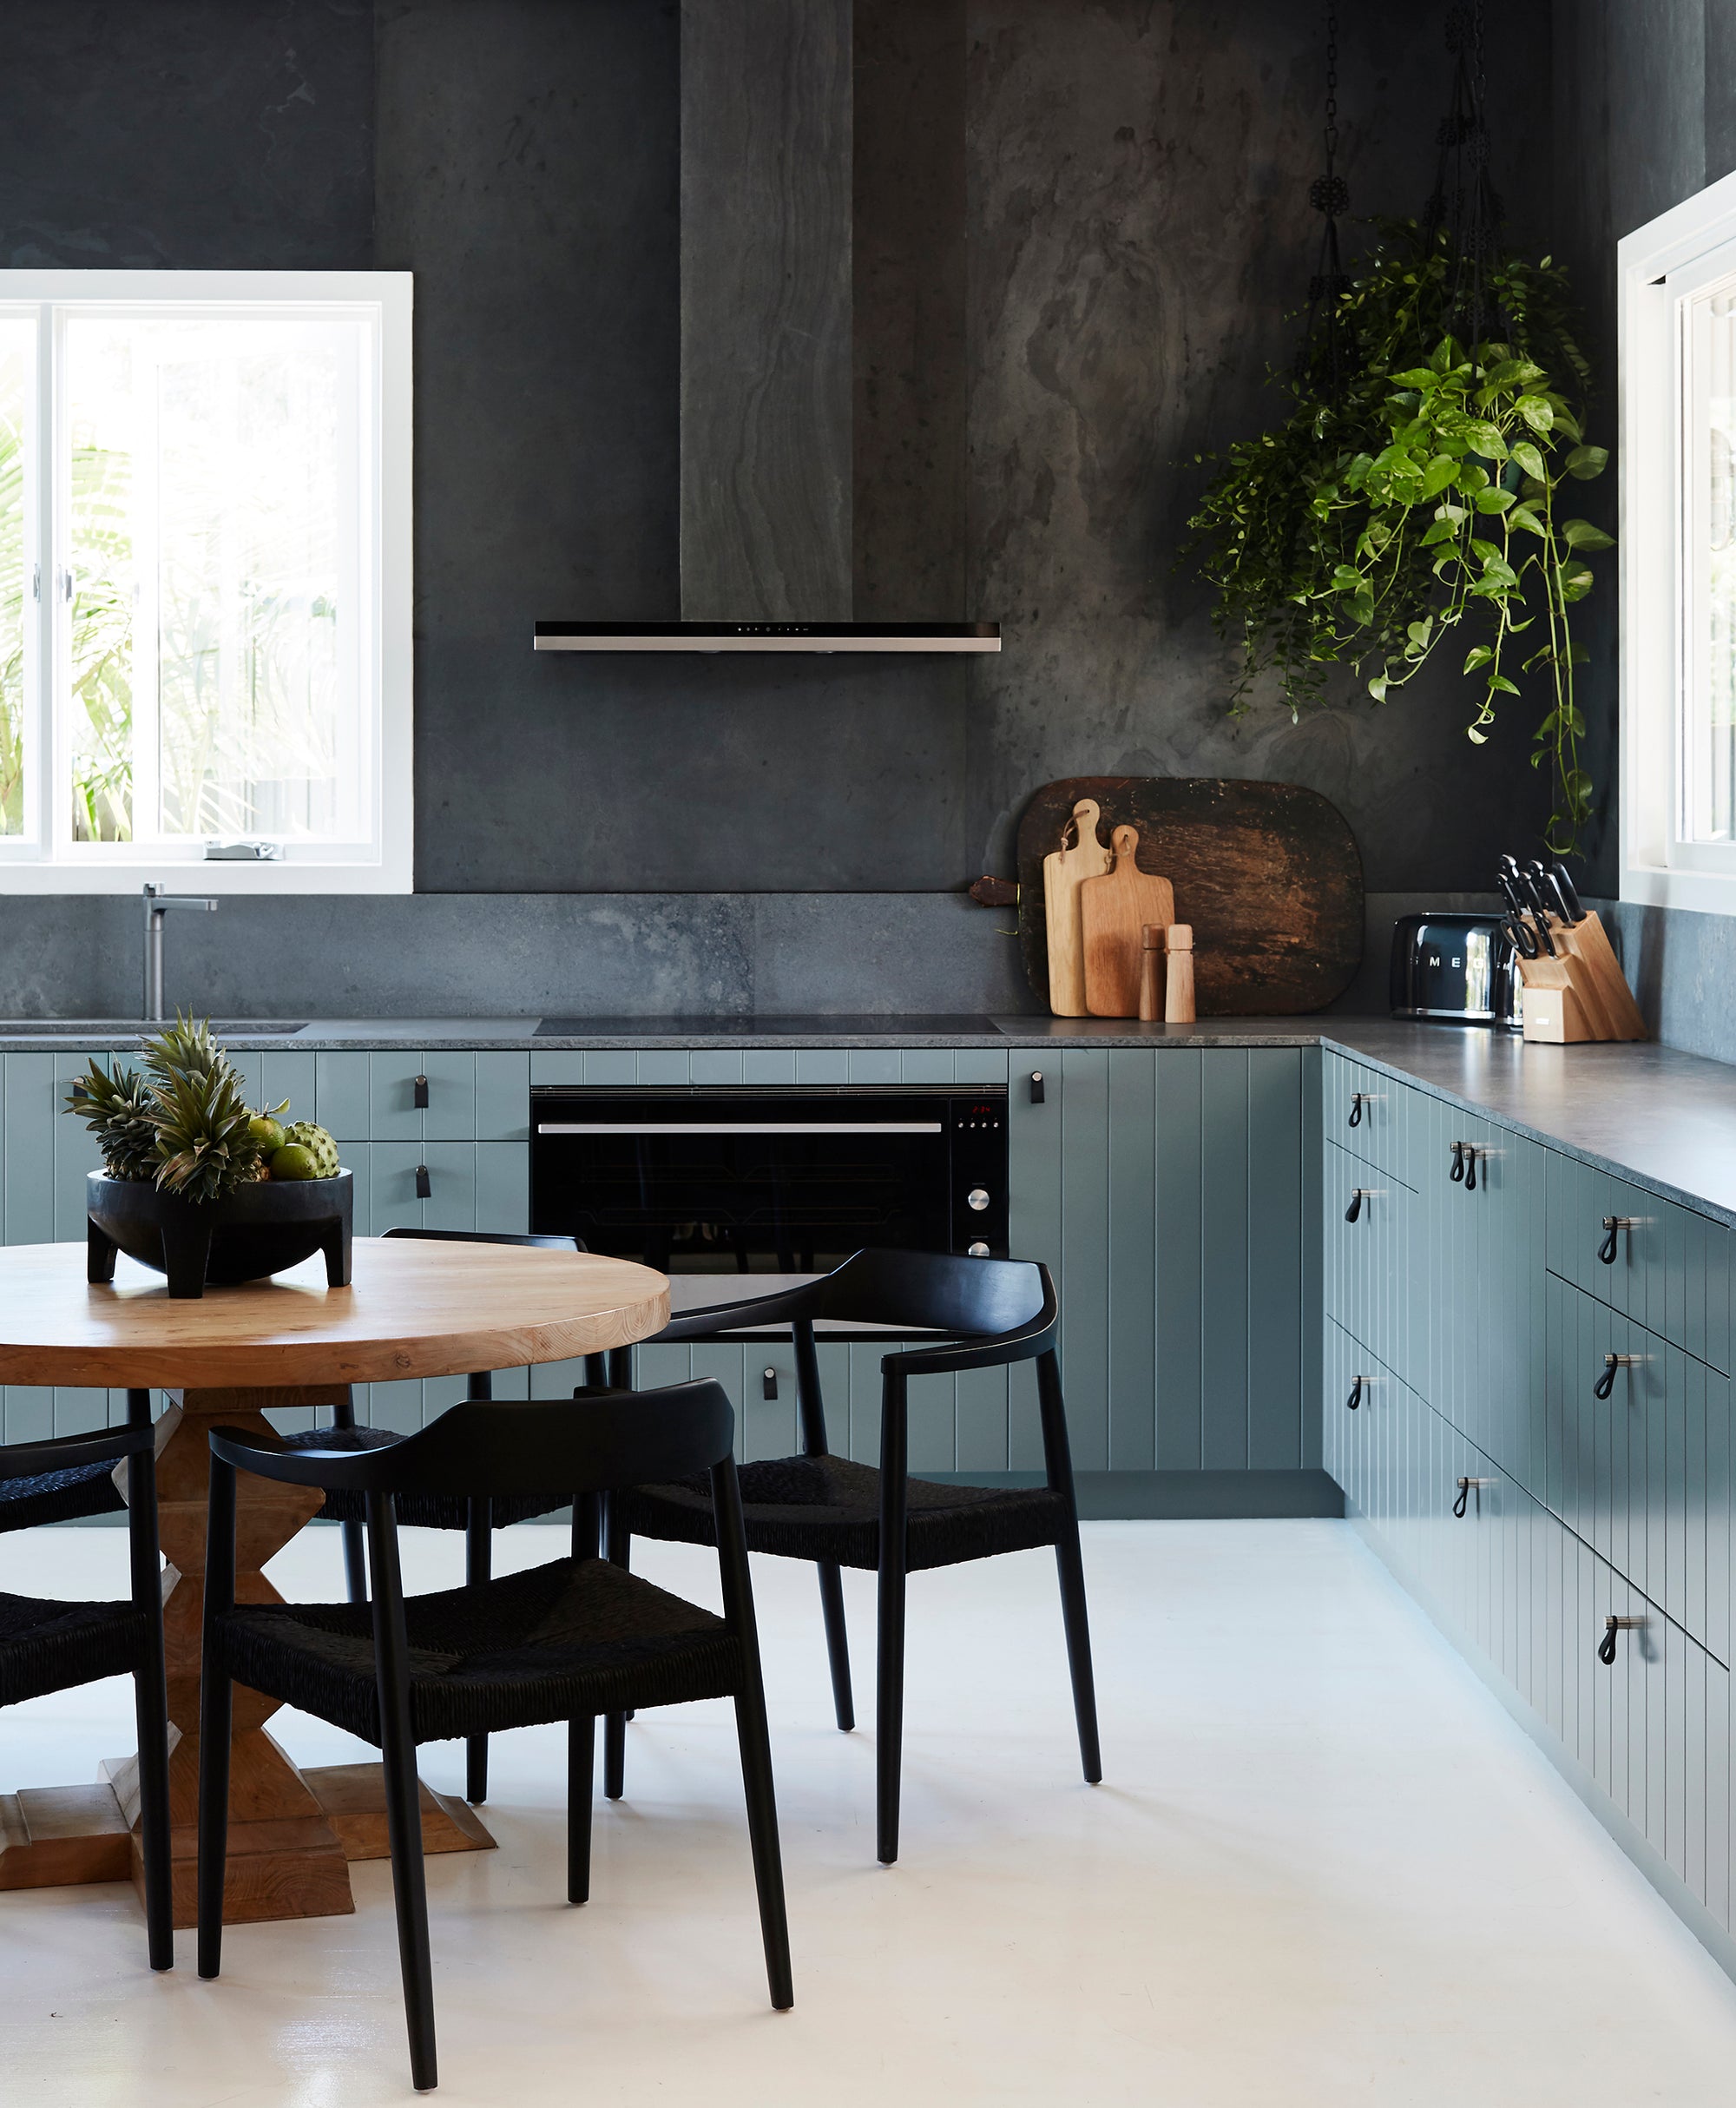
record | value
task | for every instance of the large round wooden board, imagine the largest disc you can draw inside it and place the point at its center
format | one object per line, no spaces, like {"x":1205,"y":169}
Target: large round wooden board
{"x":413,"y":1309}
{"x":1267,"y":874}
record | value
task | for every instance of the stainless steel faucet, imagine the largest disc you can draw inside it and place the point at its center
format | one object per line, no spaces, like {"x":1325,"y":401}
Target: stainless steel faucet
{"x":157,"y":904}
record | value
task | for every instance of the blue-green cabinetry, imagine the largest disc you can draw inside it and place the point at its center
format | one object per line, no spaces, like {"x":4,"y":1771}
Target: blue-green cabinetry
{"x":1480,"y":1320}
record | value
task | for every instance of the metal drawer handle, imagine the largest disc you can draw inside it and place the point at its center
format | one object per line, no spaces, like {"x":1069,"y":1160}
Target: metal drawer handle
{"x":1614,"y":1224}
{"x":1612,"y":1625}
{"x":1606,"y":1383}
{"x":1467,"y":1486}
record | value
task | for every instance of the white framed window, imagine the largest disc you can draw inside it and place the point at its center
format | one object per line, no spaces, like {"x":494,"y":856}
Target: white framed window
{"x":205,"y":580}
{"x":1677,"y":295}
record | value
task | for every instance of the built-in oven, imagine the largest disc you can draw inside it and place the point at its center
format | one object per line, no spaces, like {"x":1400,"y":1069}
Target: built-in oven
{"x":782,"y":1179}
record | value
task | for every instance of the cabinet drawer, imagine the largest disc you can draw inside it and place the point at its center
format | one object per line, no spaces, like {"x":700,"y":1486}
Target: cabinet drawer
{"x":1668,"y":1267}
{"x":1643,"y":1473}
{"x":1374,"y":1286}
{"x":1369,"y":1113}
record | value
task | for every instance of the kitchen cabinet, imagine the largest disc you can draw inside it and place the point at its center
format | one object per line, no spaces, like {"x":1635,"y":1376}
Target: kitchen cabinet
{"x":1540,"y":1440}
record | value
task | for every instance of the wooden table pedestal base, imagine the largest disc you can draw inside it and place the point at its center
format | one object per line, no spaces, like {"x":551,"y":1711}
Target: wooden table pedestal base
{"x":291,"y":1834}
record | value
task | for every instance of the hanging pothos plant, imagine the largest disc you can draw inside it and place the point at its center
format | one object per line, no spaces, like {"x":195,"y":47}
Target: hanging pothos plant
{"x":1416,"y":500}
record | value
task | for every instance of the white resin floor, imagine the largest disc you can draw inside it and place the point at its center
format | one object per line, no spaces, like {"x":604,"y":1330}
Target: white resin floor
{"x":1325,"y":1867}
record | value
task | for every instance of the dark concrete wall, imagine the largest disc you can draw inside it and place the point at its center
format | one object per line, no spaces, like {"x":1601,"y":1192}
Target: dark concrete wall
{"x":1077,"y":290}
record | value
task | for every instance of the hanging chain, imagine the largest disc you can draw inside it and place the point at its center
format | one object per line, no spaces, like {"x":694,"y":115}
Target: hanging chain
{"x":1329,"y":193}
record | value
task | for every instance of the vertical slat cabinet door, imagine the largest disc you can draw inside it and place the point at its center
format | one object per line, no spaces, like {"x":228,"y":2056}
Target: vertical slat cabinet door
{"x":341,"y":1094}
{"x":29,"y":1168}
{"x":503,"y":1186}
{"x":395,"y":1077}
{"x":1180,"y":1287}
{"x":1085,"y":1246}
{"x":395,"y":1202}
{"x":1224,"y":1158}
{"x":1509,"y":1289}
{"x":503,"y":1096}
{"x":1033,"y":1181}
{"x":450,"y":1089}
{"x":451,"y":1201}
{"x":1276,"y":1241}
{"x":1133,"y":1228}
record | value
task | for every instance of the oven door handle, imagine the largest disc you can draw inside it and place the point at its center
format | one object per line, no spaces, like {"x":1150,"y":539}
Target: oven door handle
{"x":740,"y":1127}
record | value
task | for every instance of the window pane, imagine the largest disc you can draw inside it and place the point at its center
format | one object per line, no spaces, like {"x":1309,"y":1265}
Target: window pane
{"x":218,"y":624}
{"x":17,"y":602}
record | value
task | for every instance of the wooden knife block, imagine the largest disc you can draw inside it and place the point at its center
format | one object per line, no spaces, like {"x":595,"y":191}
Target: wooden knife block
{"x":1581,"y":993}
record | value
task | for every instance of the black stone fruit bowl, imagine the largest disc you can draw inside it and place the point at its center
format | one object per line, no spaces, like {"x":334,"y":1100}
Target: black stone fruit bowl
{"x":257,"y":1230}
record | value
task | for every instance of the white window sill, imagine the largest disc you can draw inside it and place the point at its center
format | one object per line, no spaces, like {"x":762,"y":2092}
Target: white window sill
{"x":189,"y":875}
{"x":1701,"y":893}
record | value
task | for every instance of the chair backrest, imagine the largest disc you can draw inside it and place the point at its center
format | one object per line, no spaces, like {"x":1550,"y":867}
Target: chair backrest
{"x":589,"y":1444}
{"x":63,"y":1453}
{"x":491,"y":1236}
{"x":933,"y":1291}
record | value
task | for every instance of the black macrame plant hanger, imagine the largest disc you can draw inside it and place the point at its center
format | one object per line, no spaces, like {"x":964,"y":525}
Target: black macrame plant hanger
{"x":1464,"y":203}
{"x":1324,"y":350}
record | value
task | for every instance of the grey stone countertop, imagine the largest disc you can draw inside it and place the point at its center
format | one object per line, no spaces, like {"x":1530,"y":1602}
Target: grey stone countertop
{"x":1649,"y":1113}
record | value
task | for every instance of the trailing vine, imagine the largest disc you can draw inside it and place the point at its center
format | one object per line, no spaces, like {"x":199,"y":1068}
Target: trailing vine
{"x":1418,"y":486}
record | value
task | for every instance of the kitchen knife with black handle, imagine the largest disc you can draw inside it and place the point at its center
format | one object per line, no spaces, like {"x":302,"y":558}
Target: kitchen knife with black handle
{"x":1532,"y":895}
{"x":1547,"y":888}
{"x":1570,"y":899}
{"x":1518,"y":895}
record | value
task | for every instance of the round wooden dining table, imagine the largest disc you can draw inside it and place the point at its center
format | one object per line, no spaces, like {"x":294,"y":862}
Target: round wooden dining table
{"x":411,"y":1309}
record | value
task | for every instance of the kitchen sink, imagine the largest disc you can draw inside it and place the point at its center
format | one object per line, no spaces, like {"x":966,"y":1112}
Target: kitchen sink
{"x":78,"y":1029}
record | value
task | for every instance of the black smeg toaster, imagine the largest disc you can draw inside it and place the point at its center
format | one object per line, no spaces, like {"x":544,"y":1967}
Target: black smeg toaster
{"x":1458,"y":969}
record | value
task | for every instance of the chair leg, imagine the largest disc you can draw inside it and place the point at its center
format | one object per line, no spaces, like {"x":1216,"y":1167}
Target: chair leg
{"x":355,"y":1562}
{"x":479,"y":1568}
{"x":889,"y":1727}
{"x":614,"y":1724}
{"x":151,"y":1707}
{"x":581,"y":1785}
{"x":1069,"y":1566}
{"x":836,"y":1641}
{"x":215,"y":1711}
{"x":762,"y":1833}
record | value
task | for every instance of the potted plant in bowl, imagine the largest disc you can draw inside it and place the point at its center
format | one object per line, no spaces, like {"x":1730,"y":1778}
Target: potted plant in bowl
{"x":196,"y":1184}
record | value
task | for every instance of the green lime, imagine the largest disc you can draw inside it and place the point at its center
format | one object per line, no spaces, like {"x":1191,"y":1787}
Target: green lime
{"x":293,"y":1160}
{"x":267,"y":1132}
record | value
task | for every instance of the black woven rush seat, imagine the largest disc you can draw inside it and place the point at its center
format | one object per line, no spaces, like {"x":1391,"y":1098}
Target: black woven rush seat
{"x":73,"y":1494}
{"x":47,"y":1646}
{"x":837,"y":1513}
{"x":825,"y":1507}
{"x":478,"y":1518}
{"x":566,"y":1641}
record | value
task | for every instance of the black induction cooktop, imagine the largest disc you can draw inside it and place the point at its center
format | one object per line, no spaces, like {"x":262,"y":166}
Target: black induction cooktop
{"x":764,"y":1028}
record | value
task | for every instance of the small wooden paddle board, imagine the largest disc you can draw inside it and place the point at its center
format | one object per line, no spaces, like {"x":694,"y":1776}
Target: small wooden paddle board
{"x":1113,"y":911}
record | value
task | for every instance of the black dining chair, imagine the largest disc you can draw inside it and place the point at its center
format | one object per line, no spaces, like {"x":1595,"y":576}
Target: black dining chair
{"x":838,"y":1513}
{"x":71,"y":1493}
{"x":565,"y":1641}
{"x":477,"y":1517}
{"x":48,"y":1645}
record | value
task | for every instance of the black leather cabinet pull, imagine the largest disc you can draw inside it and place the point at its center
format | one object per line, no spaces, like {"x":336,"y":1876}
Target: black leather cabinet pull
{"x":1606,"y":1383}
{"x":1036,"y":1087}
{"x":1355,"y":1208}
{"x":1356,"y":1109}
{"x":768,"y":1383}
{"x":419,"y":1093}
{"x":1458,"y":1170}
{"x":1605,"y":1251}
{"x":1355,"y":1397}
{"x":1460,"y":1505}
{"x":1606,"y":1646}
{"x":1470,"y":1169}
{"x":424,"y":1184}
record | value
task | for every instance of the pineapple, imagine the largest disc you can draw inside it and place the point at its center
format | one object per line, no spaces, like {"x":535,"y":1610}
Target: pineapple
{"x":185,"y":1049}
{"x":117,"y":1106}
{"x":204,"y":1147}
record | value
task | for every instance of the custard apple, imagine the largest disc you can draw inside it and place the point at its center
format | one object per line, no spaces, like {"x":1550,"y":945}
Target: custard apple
{"x":319,"y":1145}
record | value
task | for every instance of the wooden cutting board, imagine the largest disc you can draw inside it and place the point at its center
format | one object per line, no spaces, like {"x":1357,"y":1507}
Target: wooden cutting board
{"x":1113,"y":911}
{"x":1267,"y":874}
{"x":1080,"y":856}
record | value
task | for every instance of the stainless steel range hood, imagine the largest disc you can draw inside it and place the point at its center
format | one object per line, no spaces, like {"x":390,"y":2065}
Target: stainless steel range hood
{"x":767,"y":637}
{"x":772,"y":557}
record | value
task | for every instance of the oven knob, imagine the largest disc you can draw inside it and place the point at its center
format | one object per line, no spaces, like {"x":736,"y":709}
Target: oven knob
{"x":979,"y":1250}
{"x":977,"y":1198}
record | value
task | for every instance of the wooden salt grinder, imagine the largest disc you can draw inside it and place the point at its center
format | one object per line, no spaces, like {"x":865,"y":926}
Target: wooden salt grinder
{"x":1151,"y":972}
{"x":1178,"y":1001}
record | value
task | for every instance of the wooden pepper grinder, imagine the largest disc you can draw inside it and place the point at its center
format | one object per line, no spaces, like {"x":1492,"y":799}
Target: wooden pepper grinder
{"x":1151,"y":972}
{"x":1178,"y":1001}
